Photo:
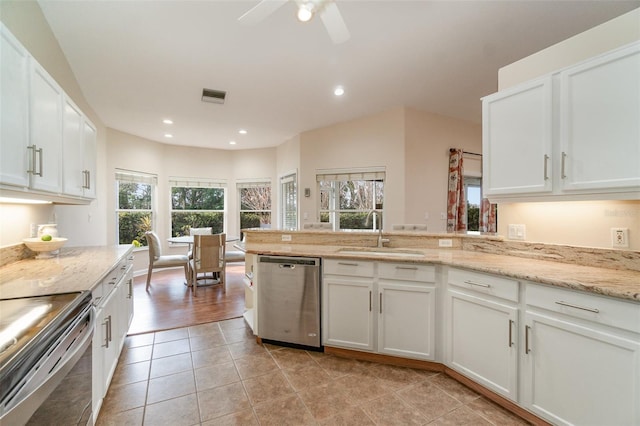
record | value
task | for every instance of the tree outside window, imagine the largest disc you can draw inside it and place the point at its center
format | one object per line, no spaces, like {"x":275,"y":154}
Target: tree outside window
{"x":255,"y":205}
{"x":135,"y":206}
{"x":196,"y":207}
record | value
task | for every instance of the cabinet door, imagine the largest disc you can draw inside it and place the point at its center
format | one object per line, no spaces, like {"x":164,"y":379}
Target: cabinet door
{"x":517,"y":140}
{"x":481,"y":341}
{"x":72,"y":149}
{"x":406,"y":320}
{"x":348,"y":312}
{"x":14,"y":110}
{"x":575,"y":374}
{"x":46,"y":130}
{"x":600,"y":122}
{"x":89,"y":146}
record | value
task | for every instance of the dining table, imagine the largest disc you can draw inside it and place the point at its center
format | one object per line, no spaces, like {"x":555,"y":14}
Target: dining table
{"x":188,"y":239}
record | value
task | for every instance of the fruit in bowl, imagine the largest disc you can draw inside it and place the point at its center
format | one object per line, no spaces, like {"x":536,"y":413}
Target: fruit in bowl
{"x":45,"y":246}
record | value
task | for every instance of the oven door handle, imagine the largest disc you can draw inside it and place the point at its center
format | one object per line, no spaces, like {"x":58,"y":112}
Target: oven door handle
{"x":38,"y":388}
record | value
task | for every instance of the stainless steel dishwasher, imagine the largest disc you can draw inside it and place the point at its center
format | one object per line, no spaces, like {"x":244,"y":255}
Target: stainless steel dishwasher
{"x":289,"y":300}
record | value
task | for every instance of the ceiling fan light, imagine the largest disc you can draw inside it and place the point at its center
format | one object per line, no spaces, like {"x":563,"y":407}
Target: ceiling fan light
{"x":305,"y":12}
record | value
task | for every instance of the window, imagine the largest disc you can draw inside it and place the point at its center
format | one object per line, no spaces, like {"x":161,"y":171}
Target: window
{"x":289,"y":192}
{"x":197,"y":203}
{"x":255,"y":204}
{"x":347,"y":198}
{"x":473,"y":195}
{"x":135,"y":205}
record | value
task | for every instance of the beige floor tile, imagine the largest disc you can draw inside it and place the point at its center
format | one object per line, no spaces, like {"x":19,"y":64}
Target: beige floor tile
{"x":292,"y":359}
{"x":174,"y":347}
{"x":352,"y":416}
{"x":139,"y":340}
{"x":170,"y":335}
{"x":181,"y":411}
{"x":206,"y":341}
{"x":269,"y":386}
{"x":170,"y":365}
{"x":255,"y":365}
{"x":244,"y":348}
{"x":238,"y":335}
{"x":204,"y":329}
{"x":131,"y":373}
{"x":494,"y":413}
{"x":223,"y":400}
{"x":233,"y":324}
{"x":123,"y":418}
{"x":337,"y":367}
{"x":285,"y":411}
{"x":461,"y":416}
{"x":430,"y":401}
{"x":305,"y":377}
{"x":454,"y":388}
{"x":211,"y":356}
{"x":136,"y":354}
{"x":390,"y":410}
{"x":241,"y":418}
{"x":216,"y":375}
{"x":326,"y":400}
{"x":361,"y":388}
{"x":172,"y":386}
{"x":396,"y":377}
{"x":125,"y":397}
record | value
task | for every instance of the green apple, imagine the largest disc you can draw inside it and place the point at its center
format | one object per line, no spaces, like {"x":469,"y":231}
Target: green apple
{"x":46,"y":237}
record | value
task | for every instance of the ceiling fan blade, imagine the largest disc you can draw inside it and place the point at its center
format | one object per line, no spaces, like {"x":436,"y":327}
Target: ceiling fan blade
{"x":335,"y":25}
{"x":261,"y":11}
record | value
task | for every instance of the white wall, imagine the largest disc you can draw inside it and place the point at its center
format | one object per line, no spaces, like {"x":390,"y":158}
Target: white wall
{"x":574,"y":223}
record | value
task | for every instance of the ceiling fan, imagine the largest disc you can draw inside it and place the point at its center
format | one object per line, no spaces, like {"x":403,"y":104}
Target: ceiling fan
{"x":307,"y":9}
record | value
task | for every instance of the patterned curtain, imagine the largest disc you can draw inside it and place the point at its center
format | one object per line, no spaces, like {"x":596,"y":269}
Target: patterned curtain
{"x":488,"y":222}
{"x":456,"y":203}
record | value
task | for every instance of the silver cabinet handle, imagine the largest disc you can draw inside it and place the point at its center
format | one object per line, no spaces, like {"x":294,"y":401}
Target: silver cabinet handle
{"x":526,"y":339}
{"x":511,"y":322}
{"x":562,"y":174}
{"x":380,"y":302}
{"x":584,"y":308}
{"x":477,"y":284}
{"x":408,"y":268}
{"x":130,"y":295}
{"x":40,"y":173}
{"x":110,"y":335}
{"x":546,"y":165}
{"x":348,"y":263}
{"x":369,"y":300}
{"x":34,"y":157}
{"x":85,"y":176}
{"x":107,"y":325}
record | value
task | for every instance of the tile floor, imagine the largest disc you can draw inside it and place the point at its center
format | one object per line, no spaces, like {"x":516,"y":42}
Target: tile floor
{"x":215,"y":374}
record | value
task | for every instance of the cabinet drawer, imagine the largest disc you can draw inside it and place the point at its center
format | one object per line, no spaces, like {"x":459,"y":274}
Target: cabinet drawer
{"x":505,"y":288}
{"x":407,"y":272}
{"x":348,"y":267}
{"x":602,"y":310}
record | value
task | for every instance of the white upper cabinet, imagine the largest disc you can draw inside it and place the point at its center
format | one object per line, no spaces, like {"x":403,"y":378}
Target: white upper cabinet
{"x":14,"y":111}
{"x":572,"y":135}
{"x":79,"y":152}
{"x":517,"y":139}
{"x":600,"y":123}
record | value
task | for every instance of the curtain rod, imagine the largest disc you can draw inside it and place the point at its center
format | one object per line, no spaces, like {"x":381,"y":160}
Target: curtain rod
{"x":465,"y":152}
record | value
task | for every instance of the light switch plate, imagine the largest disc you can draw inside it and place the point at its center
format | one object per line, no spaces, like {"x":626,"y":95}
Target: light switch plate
{"x":619,"y":237}
{"x":517,"y":232}
{"x":445,"y":243}
{"x":286,"y":237}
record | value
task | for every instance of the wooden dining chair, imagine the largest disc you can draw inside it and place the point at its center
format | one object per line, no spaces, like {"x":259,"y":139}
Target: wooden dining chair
{"x":158,"y":260}
{"x":208,"y":257}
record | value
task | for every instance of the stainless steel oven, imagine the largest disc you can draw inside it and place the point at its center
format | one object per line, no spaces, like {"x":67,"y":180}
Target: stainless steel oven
{"x":45,"y":360}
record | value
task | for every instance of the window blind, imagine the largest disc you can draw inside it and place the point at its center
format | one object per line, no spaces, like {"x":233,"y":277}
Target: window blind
{"x":193,"y":182}
{"x":136,"y":177}
{"x":341,"y":175}
{"x":253,"y":183}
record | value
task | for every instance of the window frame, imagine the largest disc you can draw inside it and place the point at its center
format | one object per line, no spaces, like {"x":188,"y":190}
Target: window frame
{"x":138,"y":177}
{"x":254,"y":183}
{"x":197,"y":182}
{"x":286,"y":213}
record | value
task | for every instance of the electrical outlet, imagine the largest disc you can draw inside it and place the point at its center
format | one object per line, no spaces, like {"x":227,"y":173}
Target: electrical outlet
{"x":620,"y":237}
{"x":286,"y":237}
{"x":445,"y":243}
{"x":517,"y":232}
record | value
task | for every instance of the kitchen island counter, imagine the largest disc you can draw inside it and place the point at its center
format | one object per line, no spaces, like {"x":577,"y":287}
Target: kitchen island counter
{"x":74,"y":269}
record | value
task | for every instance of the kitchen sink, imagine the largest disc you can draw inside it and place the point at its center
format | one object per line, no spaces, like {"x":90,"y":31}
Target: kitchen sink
{"x":380,"y":251}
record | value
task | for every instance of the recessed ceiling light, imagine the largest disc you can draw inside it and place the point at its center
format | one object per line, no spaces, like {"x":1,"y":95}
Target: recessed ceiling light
{"x":168,"y":135}
{"x":305,"y":12}
{"x":232,"y":142}
{"x":242,"y":131}
{"x":167,"y":121}
{"x":338,"y":91}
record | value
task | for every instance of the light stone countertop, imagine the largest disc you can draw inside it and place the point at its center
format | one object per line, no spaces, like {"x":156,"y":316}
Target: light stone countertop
{"x":74,"y":269}
{"x":618,"y":283}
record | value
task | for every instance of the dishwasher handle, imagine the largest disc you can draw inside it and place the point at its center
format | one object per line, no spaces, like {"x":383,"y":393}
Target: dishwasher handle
{"x":287,"y":266}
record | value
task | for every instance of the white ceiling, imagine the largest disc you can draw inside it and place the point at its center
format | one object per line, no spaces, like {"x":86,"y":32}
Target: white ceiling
{"x":139,"y":62}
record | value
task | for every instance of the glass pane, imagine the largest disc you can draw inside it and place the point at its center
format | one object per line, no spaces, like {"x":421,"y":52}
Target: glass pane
{"x":359,"y":195}
{"x":255,"y":220}
{"x":290,"y":206}
{"x":182,"y":222}
{"x":197,"y":198}
{"x":132,"y":226}
{"x":255,"y":198}
{"x":358,"y":220}
{"x":134,"y":196}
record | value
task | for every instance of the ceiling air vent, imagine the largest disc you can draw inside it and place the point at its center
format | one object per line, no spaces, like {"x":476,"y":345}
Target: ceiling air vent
{"x":213,"y":96}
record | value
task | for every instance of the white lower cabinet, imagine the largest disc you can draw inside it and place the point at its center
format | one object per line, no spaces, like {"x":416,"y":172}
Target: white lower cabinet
{"x":113,"y":300}
{"x":382,"y":307}
{"x":481,"y":340}
{"x":581,"y":358}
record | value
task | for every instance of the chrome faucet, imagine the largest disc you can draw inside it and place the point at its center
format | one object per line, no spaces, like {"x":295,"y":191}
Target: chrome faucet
{"x":381,"y":240}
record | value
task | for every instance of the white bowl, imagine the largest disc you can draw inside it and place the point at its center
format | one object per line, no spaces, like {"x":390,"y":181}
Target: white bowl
{"x":45,"y":249}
